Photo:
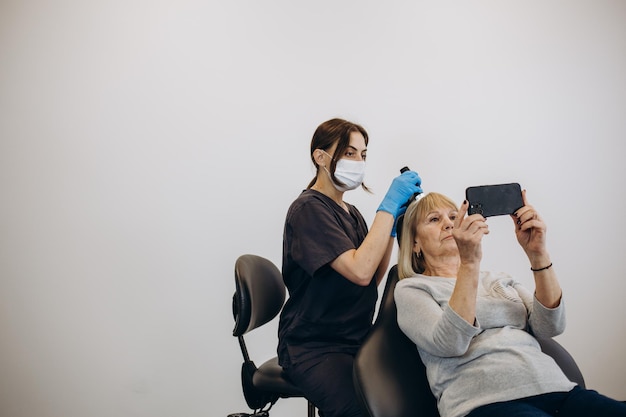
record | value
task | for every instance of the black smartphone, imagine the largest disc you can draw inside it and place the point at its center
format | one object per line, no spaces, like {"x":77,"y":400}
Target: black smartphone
{"x":494,"y":200}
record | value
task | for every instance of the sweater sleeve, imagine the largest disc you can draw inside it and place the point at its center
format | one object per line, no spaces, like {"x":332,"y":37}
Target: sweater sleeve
{"x":542,"y":321}
{"x":434,"y":328}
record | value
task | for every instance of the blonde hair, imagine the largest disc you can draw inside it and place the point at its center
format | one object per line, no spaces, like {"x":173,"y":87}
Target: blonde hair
{"x":409,"y":263}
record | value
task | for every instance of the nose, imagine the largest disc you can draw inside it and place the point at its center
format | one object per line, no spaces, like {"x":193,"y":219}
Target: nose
{"x":448,"y":224}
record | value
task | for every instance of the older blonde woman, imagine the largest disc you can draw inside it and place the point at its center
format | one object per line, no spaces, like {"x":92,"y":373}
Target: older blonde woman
{"x":474,"y":330}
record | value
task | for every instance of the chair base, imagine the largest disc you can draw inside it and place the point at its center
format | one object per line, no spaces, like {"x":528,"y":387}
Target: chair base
{"x":257,"y":414}
{"x":265,"y":413}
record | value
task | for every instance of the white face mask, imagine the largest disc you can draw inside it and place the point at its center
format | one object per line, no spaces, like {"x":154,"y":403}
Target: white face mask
{"x":351,"y":173}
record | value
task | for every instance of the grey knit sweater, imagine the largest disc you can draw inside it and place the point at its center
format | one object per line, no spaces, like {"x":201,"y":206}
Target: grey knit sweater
{"x":494,"y":360}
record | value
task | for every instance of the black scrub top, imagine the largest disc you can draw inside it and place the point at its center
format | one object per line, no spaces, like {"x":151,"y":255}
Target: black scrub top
{"x":325,"y":312}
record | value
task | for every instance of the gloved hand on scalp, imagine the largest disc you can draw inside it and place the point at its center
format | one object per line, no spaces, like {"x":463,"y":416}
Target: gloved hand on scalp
{"x":400,"y":191}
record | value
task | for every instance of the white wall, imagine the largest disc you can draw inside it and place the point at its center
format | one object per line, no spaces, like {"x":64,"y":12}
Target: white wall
{"x":144,"y":145}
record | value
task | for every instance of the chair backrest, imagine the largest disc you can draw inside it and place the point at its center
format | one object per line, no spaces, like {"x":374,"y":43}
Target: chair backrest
{"x":389,"y":376}
{"x":563,"y":359}
{"x":259,"y":293}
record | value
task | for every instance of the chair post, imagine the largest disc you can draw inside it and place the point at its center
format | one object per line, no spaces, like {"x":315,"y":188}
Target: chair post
{"x":244,"y":349}
{"x":310,"y":409}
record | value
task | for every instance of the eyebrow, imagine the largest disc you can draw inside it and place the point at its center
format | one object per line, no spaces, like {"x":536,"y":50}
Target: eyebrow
{"x":355,"y":149}
{"x":436,"y":211}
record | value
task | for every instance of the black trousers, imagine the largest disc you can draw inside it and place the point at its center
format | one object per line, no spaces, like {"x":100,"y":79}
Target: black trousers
{"x":327,"y":383}
{"x":578,"y":402}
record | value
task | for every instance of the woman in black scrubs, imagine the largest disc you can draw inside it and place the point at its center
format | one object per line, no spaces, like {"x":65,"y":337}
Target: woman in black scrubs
{"x":332,"y":266}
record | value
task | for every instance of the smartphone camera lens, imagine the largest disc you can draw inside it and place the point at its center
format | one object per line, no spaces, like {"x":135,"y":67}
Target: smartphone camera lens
{"x":476,"y":208}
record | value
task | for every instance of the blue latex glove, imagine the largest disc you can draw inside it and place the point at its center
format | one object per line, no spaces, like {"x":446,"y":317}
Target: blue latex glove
{"x":400,"y":191}
{"x":394,"y":231}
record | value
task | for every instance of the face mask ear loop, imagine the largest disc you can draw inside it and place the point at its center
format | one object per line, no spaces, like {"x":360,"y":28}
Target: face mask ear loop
{"x":326,"y":169}
{"x":332,"y":159}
